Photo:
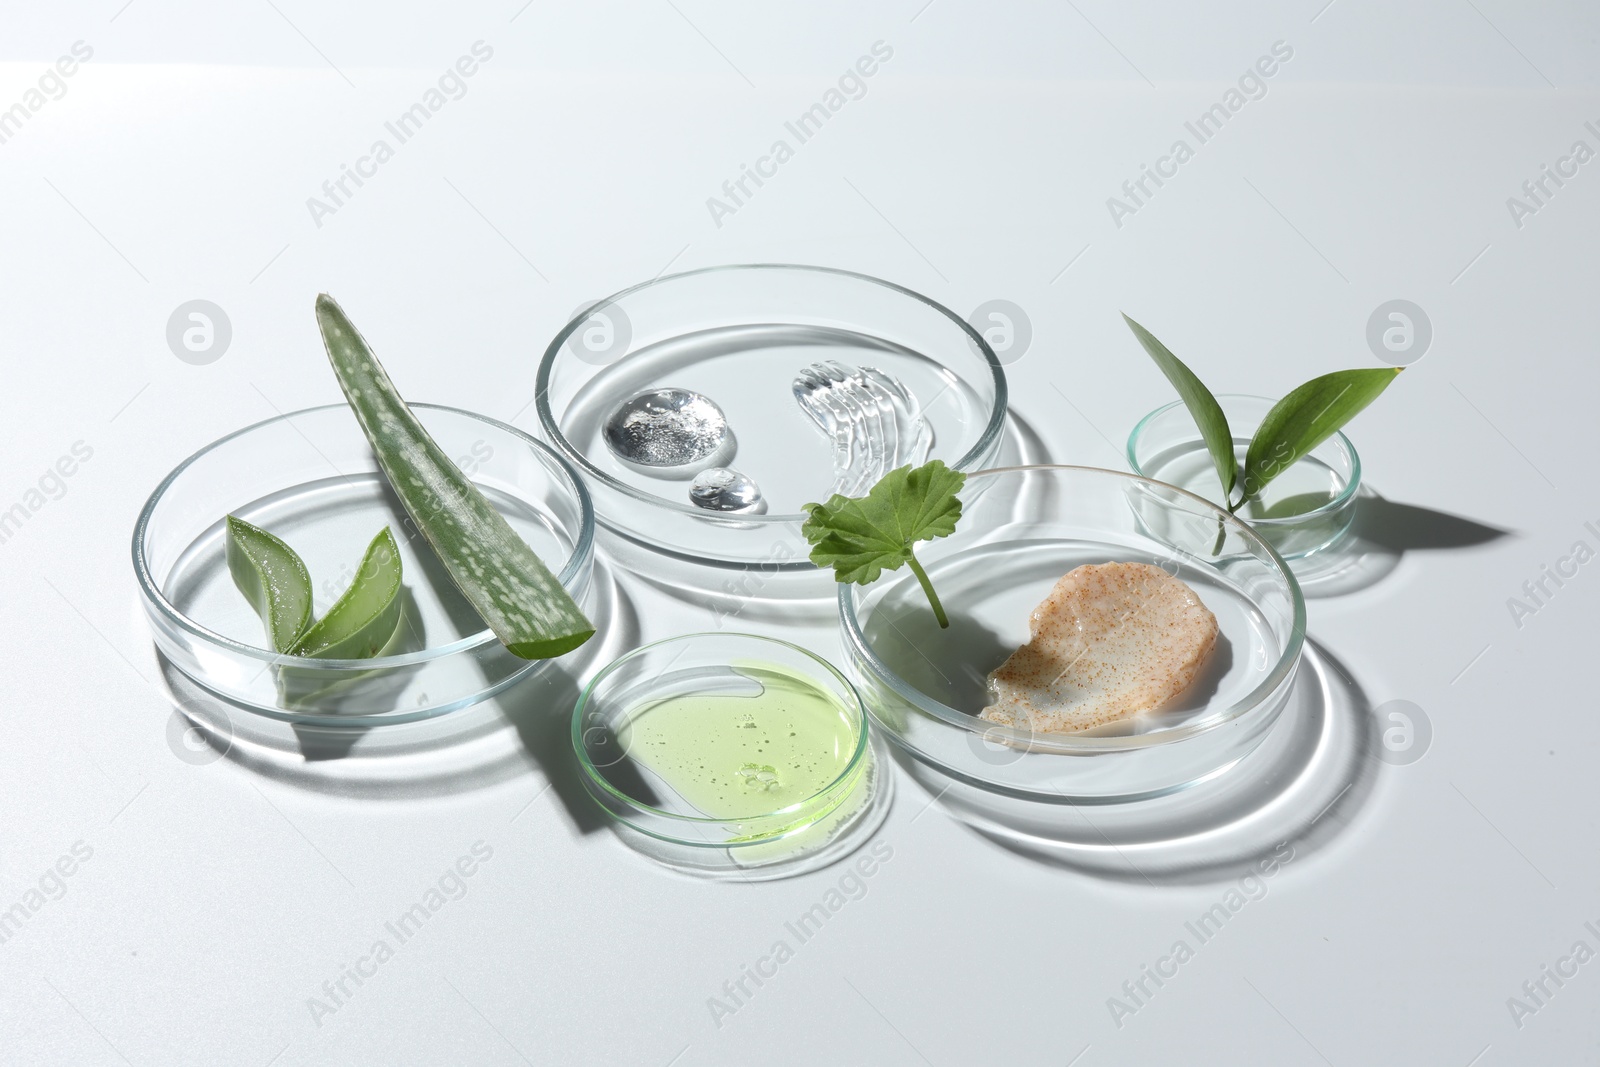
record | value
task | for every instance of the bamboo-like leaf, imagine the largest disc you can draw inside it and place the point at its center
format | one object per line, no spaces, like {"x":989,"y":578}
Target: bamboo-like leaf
{"x":1202,"y":405}
{"x":523,"y":603}
{"x":1307,"y":417}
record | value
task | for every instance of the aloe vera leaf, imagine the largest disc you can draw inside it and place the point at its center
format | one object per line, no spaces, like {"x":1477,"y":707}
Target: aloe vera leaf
{"x":273,"y":579}
{"x":1308,"y":416}
{"x":509,"y":585}
{"x":1202,"y":405}
{"x":364,"y":618}
{"x":312,"y":688}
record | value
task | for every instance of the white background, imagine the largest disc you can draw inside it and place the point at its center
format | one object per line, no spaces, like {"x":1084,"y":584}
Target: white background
{"x":219,"y":897}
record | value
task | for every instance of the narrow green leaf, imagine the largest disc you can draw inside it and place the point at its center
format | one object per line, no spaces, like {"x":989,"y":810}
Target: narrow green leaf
{"x":1202,"y":405}
{"x":273,"y":579}
{"x":523,"y":603}
{"x":361,"y":621}
{"x":1307,"y":417}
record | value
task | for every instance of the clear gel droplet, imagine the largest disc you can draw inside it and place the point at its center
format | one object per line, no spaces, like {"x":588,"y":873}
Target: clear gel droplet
{"x":671,"y":433}
{"x":725,"y":489}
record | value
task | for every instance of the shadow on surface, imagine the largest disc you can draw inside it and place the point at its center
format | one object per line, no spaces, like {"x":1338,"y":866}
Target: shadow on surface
{"x":324,"y":743}
{"x":1300,"y":788}
{"x":472,"y":748}
{"x":1405,"y":527}
{"x":1020,"y":444}
{"x":541,"y":713}
{"x":952,"y":663}
{"x":616,"y":766}
{"x":1382,"y":533}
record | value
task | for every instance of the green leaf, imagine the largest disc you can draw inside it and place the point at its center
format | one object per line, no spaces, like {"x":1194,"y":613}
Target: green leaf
{"x":363,"y":620}
{"x":322,"y":690}
{"x":861,"y":537}
{"x":1307,"y":417}
{"x":1202,"y":405}
{"x":523,"y":603}
{"x":273,"y":579}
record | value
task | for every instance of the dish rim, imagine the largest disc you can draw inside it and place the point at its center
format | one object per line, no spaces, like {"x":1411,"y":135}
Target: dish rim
{"x":986,"y":440}
{"x":582,"y":550}
{"x":1352,"y":486}
{"x":853,"y":765}
{"x":1074,"y":744}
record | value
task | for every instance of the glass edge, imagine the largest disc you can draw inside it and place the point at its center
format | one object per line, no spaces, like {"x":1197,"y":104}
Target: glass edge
{"x":579,"y":560}
{"x":1287,"y":663}
{"x":1351,"y":487}
{"x":793,"y":830}
{"x":593,"y":775}
{"x":977,"y":453}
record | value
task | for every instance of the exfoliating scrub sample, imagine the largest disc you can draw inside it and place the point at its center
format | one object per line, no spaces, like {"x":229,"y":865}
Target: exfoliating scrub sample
{"x":1110,"y":641}
{"x":739,"y":755}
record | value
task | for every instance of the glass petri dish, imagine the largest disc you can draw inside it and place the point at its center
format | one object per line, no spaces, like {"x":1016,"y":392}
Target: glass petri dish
{"x":1303,"y":511}
{"x":723,"y":753}
{"x":739,"y":336}
{"x":1022,"y":528}
{"x":310,"y":478}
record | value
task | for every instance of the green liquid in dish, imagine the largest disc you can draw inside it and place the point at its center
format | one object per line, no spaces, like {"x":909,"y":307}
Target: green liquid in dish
{"x":739,"y":755}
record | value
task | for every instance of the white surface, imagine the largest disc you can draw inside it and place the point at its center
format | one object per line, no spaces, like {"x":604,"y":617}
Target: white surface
{"x":217,"y":899}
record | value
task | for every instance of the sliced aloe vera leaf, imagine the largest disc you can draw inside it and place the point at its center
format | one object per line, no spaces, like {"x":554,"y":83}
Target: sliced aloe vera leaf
{"x":319,"y":689}
{"x":273,"y":579}
{"x":363,"y":619}
{"x":509,"y":585}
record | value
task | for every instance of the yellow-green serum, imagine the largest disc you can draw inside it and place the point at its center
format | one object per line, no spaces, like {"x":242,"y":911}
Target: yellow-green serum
{"x":738,"y":756}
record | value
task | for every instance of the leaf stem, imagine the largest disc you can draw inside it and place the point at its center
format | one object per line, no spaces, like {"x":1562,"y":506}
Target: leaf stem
{"x":927,"y":587}
{"x":1222,"y":528}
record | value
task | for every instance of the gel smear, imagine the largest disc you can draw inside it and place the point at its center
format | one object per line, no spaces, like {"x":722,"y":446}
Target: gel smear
{"x":734,"y":755}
